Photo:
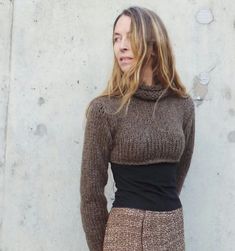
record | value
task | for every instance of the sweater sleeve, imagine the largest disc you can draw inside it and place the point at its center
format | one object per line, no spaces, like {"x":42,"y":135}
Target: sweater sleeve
{"x":94,"y":175}
{"x":189,"y":133}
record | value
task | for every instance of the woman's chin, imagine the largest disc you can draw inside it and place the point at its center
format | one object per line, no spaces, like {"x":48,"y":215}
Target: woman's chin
{"x":125,"y":68}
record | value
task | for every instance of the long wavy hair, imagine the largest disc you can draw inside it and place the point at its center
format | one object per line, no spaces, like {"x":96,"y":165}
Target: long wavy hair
{"x":148,"y":38}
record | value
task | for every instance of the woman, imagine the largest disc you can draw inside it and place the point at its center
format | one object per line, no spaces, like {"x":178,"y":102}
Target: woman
{"x":149,"y":144}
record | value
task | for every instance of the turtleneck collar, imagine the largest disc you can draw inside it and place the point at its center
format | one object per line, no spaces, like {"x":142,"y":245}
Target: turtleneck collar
{"x":151,"y":93}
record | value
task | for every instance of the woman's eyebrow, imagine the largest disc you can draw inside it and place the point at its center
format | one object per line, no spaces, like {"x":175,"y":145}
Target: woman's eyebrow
{"x":116,"y":33}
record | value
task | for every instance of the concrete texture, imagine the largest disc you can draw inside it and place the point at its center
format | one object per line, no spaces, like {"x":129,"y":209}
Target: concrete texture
{"x":55,"y":56}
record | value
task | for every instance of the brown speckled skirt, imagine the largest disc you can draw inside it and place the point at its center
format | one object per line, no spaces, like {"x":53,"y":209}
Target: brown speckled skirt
{"x":130,"y":229}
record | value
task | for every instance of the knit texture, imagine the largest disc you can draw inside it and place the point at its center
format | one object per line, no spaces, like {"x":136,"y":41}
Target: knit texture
{"x":158,"y":127}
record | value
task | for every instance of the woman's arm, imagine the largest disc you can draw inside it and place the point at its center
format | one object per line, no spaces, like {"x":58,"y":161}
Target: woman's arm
{"x":94,"y":175}
{"x":189,"y":132}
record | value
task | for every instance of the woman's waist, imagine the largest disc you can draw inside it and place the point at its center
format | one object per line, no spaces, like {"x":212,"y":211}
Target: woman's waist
{"x":158,"y":177}
{"x":156,"y":201}
{"x":150,"y":186}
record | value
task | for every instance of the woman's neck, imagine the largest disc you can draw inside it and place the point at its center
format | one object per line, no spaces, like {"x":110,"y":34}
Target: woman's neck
{"x":148,"y":75}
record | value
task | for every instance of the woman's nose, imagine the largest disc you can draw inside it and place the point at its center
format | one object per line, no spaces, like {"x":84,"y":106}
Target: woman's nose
{"x":124,"y":44}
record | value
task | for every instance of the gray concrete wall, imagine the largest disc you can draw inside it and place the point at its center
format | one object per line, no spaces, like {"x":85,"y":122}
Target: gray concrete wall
{"x":54,"y":57}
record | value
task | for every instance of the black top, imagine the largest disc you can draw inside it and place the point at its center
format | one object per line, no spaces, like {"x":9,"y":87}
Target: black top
{"x":150,"y":187}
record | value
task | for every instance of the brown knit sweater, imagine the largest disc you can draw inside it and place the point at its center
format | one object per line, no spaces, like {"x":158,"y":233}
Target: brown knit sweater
{"x":145,"y":135}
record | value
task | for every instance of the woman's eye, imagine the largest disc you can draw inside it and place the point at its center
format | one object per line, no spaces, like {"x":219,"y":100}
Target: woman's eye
{"x":118,"y":38}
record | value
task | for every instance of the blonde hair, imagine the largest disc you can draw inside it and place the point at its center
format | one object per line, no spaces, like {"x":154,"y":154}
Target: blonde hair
{"x":148,"y":38}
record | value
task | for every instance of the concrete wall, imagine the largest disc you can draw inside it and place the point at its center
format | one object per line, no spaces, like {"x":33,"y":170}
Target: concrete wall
{"x":54,"y":57}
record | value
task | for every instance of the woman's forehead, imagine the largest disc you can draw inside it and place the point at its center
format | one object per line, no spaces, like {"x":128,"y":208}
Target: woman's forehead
{"x":123,"y":25}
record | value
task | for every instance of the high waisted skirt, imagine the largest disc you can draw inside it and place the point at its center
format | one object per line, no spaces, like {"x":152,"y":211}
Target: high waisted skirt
{"x":131,"y":229}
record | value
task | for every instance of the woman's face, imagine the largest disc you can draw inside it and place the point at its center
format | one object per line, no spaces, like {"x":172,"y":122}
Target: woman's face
{"x":122,"y":45}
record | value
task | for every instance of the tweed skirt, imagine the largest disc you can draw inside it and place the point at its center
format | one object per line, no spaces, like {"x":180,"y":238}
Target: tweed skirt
{"x":130,"y":229}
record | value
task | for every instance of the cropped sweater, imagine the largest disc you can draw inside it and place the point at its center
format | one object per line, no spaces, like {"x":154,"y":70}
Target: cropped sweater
{"x":159,"y":126}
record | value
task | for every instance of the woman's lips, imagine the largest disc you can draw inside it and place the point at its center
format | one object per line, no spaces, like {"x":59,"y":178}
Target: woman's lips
{"x":125,"y":59}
